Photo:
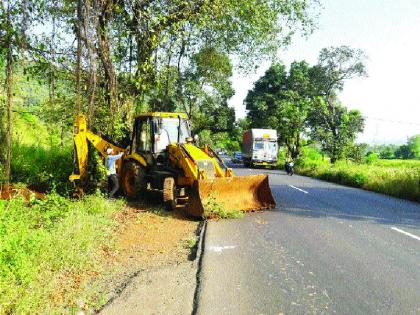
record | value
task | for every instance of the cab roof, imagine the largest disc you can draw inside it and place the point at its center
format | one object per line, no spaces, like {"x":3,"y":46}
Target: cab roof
{"x":163,"y":114}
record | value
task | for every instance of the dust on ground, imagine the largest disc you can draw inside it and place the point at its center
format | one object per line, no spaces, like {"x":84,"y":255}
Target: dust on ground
{"x":149,"y":269}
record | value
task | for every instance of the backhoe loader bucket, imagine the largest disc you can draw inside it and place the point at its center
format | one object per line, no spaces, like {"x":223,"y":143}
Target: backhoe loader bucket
{"x":227,"y":194}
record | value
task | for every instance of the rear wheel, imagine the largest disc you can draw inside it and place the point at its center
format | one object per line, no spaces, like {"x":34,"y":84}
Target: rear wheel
{"x":169,"y":193}
{"x":133,"y":179}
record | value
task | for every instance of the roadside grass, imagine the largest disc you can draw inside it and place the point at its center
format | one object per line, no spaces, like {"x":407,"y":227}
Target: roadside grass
{"x":47,"y":248}
{"x":215,"y":210}
{"x":399,"y":178}
{"x":42,"y":168}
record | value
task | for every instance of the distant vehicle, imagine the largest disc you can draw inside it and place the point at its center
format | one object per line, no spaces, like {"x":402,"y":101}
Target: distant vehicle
{"x":259,"y":147}
{"x":288,"y":166}
{"x":237,"y":157}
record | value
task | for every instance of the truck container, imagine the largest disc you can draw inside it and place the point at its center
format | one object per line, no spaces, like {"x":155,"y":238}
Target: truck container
{"x":259,"y":147}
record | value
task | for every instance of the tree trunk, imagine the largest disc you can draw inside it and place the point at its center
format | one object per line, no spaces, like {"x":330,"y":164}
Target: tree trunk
{"x":9,"y":100}
{"x":104,"y":52}
{"x":62,"y":135}
{"x":92,"y":60}
{"x":79,"y":53}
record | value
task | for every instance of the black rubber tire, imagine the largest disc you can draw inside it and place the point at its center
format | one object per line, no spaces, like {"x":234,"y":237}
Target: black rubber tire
{"x":169,"y":193}
{"x":133,"y":180}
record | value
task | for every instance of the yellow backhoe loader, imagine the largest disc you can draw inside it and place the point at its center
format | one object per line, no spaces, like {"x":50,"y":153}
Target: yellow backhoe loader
{"x":162,"y":155}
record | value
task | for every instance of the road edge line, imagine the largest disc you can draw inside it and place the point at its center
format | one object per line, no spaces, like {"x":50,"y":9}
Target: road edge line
{"x":199,"y":262}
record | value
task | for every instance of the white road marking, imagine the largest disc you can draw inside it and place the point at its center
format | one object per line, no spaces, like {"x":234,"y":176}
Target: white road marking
{"x":219,"y":249}
{"x":406,"y":233}
{"x":304,"y":191}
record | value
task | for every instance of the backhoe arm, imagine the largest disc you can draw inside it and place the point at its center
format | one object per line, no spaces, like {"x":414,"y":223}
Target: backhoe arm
{"x":81,"y":136}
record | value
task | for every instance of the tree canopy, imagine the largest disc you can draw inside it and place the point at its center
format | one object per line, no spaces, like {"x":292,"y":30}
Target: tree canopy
{"x":302,"y":103}
{"x":113,"y":58}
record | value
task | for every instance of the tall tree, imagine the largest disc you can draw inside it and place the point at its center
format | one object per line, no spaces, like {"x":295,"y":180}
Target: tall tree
{"x":331,"y":123}
{"x":10,"y":34}
{"x":335,"y":129}
{"x":282,"y":100}
{"x":335,"y":66}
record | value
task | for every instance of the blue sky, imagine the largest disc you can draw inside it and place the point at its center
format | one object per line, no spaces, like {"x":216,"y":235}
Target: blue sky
{"x":389,"y":33}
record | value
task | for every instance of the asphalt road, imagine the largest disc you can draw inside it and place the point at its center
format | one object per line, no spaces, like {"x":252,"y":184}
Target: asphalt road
{"x":325,"y":249}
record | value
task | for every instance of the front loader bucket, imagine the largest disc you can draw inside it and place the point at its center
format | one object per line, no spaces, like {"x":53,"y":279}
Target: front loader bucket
{"x":244,"y":193}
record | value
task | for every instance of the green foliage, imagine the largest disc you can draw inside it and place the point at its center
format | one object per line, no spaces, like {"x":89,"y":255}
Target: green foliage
{"x":214,"y":210}
{"x":413,"y":144}
{"x":371,"y":157}
{"x":304,"y":99}
{"x":44,"y":244}
{"x":311,"y":157}
{"x":220,"y":140}
{"x":392,"y":177}
{"x":335,"y":66}
{"x":42,"y":168}
{"x":386,"y":152}
{"x":335,"y":128}
{"x":356,"y":152}
{"x":205,"y":89}
{"x":281,"y":101}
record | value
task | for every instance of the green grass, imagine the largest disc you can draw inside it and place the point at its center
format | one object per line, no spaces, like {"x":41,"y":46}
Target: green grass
{"x":42,"y":168}
{"x":399,"y":178}
{"x":215,"y":210}
{"x":45,"y":246}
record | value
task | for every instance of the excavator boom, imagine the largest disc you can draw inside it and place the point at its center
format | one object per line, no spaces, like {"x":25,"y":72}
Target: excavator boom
{"x":81,"y":136}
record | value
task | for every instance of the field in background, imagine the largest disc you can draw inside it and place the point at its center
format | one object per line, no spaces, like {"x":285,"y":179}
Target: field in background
{"x":399,"y":178}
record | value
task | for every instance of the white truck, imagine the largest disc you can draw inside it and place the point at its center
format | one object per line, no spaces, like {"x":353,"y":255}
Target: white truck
{"x":259,"y":147}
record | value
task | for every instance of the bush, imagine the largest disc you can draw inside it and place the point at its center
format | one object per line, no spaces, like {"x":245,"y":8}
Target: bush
{"x":44,"y":246}
{"x":393,"y":177}
{"x":42,"y":168}
{"x":214,"y":210}
{"x":371,"y":157}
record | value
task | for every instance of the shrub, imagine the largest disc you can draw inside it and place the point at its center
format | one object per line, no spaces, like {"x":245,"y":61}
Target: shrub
{"x":393,"y":177}
{"x":42,"y":168}
{"x":45,"y":246}
{"x":214,"y":210}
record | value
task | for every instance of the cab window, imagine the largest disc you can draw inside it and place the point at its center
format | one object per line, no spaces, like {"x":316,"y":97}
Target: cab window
{"x":143,"y":136}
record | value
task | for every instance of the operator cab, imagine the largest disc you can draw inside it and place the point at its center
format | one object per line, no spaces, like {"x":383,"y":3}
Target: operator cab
{"x":153,"y":132}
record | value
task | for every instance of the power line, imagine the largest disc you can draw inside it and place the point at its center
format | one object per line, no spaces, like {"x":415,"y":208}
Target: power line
{"x":393,"y":121}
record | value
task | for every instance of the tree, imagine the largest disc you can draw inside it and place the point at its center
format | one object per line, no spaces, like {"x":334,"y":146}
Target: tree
{"x":281,"y":101}
{"x":387,"y":152}
{"x":403,"y":152}
{"x":335,"y":66}
{"x":205,"y":90}
{"x":331,"y":123}
{"x":356,"y":152}
{"x":335,"y":127}
{"x":413,"y":144}
{"x":14,"y":22}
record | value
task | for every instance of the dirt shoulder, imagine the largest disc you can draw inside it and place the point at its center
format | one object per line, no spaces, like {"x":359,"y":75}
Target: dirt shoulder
{"x":149,"y":269}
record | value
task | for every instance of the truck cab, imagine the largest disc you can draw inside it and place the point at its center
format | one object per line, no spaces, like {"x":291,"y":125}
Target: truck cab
{"x":259,"y":147}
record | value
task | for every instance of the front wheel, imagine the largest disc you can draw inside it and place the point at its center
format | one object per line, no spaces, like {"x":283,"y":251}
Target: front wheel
{"x":133,"y":179}
{"x":169,"y":193}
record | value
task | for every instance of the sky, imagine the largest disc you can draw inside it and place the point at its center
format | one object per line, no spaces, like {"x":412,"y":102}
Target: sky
{"x":388,"y":31}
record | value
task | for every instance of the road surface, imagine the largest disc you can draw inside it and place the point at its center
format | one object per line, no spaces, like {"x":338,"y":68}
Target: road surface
{"x":325,"y":249}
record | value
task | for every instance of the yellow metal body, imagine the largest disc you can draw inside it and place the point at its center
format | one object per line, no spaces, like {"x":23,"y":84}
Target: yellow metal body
{"x":199,"y":169}
{"x":81,"y":137}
